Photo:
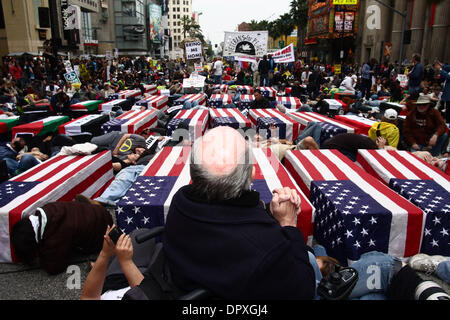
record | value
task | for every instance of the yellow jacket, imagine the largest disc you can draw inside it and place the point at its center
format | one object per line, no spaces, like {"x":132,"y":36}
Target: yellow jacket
{"x":387,"y":130}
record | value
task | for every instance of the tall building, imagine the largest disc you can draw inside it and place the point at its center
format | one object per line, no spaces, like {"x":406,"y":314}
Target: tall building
{"x":177,"y":10}
{"x":427,"y":28}
{"x":24,"y":26}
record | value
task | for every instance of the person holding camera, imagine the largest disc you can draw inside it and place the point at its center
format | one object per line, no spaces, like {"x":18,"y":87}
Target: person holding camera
{"x":116,"y":244}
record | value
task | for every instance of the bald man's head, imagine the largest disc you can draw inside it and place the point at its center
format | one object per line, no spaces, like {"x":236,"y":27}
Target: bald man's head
{"x":220,"y":150}
{"x":221,"y":166}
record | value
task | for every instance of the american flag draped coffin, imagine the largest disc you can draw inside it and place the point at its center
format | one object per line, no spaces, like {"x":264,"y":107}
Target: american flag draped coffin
{"x":126,"y":94}
{"x":361,"y":125}
{"x":90,"y":124}
{"x":230,"y":117}
{"x":200,"y":98}
{"x":222,"y":87}
{"x":330,"y":127}
{"x":262,"y":119}
{"x":334,"y":104}
{"x":195,"y":119}
{"x":112,"y":105}
{"x":244,"y":90}
{"x":355,"y":212}
{"x":133,"y":121}
{"x":40,"y":127}
{"x":57,"y":179}
{"x":147,"y":202}
{"x":245,"y":100}
{"x":424,"y":185}
{"x":268,"y":92}
{"x":150,"y":89}
{"x":220,"y":100}
{"x":157,"y":102}
{"x":289,"y":102}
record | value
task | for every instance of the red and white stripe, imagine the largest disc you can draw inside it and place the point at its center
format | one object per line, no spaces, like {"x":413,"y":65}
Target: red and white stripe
{"x":407,"y":219}
{"x":246,"y":89}
{"x":272,"y":93}
{"x":232,"y":113}
{"x":303,"y":118}
{"x":199,"y":121}
{"x":221,"y":87}
{"x":361,"y":125}
{"x":150,"y":88}
{"x":138,"y":120}
{"x":398,"y":164}
{"x":129,"y":93}
{"x":172,"y":162}
{"x":225,"y":98}
{"x":269,"y":168}
{"x":157,"y":102}
{"x":61,"y":177}
{"x":107,"y":106}
{"x":292,"y":126}
{"x":200,"y":97}
{"x":289,"y":102}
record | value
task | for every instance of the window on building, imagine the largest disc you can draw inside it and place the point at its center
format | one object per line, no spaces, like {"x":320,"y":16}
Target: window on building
{"x":129,"y":9}
{"x":86,"y":26}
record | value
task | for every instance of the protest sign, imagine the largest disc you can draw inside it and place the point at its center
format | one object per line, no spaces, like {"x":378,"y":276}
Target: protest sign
{"x":193,"y":50}
{"x":249,"y":43}
{"x":72,"y":77}
{"x":284,"y":55}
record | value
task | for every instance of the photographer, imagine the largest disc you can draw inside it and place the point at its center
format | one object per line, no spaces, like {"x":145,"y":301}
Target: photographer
{"x":123,"y":250}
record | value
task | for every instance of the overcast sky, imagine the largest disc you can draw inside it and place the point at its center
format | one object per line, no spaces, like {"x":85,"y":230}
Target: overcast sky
{"x":225,"y":15}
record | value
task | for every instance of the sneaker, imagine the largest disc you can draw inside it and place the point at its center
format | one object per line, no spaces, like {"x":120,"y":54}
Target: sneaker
{"x":425,"y":263}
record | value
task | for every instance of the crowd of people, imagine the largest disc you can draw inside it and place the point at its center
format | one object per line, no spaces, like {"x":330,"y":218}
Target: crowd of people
{"x":219,"y":235}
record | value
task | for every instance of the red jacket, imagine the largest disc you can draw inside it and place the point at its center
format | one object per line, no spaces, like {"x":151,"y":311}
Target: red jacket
{"x":419,"y":127}
{"x":16,"y":71}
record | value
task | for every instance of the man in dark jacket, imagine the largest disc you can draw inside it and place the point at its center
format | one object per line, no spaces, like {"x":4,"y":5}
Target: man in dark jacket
{"x":260,"y":102}
{"x":56,"y":229}
{"x":264,"y":68}
{"x":415,"y":75}
{"x":221,"y":237}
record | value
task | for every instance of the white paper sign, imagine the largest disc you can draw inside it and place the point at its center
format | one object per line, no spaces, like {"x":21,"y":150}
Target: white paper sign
{"x":193,"y":50}
{"x":284,"y":55}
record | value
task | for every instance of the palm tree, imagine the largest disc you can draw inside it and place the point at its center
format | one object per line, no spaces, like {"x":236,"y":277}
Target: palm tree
{"x":286,"y":25}
{"x":299,"y":13}
{"x":189,"y":25}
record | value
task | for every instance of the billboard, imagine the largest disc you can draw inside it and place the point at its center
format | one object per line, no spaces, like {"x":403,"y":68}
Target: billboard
{"x":247,"y":43}
{"x":155,"y":17}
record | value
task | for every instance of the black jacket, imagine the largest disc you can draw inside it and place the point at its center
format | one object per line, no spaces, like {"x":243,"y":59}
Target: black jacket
{"x":235,"y":249}
{"x":264,"y":67}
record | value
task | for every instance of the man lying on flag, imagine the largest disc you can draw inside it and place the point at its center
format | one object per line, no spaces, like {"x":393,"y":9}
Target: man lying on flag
{"x":247,"y":245}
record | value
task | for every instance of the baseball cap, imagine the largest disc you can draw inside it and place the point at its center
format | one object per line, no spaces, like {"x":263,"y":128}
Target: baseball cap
{"x":390,"y":114}
{"x":354,"y":77}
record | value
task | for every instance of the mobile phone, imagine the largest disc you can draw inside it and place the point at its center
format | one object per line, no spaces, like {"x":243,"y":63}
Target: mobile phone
{"x":115,"y":234}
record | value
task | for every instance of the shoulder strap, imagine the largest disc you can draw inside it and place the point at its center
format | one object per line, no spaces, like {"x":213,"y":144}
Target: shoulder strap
{"x":378,"y":130}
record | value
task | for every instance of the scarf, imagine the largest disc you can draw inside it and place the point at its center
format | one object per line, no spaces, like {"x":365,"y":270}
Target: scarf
{"x":38,"y":227}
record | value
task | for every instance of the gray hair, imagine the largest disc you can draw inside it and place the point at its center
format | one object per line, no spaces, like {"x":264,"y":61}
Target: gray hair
{"x":221,"y":187}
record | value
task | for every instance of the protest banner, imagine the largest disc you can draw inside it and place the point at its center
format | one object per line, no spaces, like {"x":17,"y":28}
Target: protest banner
{"x":72,"y":77}
{"x":284,"y":55}
{"x":249,"y":43}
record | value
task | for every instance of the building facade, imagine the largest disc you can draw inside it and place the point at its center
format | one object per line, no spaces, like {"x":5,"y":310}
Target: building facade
{"x":426,"y":31}
{"x":177,"y":10}
{"x":24,"y":26}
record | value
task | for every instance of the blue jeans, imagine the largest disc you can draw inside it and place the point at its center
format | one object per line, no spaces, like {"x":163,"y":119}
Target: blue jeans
{"x":313,"y":129}
{"x":264,"y":82}
{"x":412,"y":90}
{"x":120,"y":185}
{"x":190,"y":105}
{"x":218,"y":79}
{"x":312,"y":260}
{"x":443,"y":271}
{"x":17,"y":167}
{"x":375,"y":271}
{"x":436,"y":150}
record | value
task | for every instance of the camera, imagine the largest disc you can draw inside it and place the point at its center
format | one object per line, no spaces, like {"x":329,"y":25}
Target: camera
{"x":115,"y":234}
{"x":339,"y":284}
